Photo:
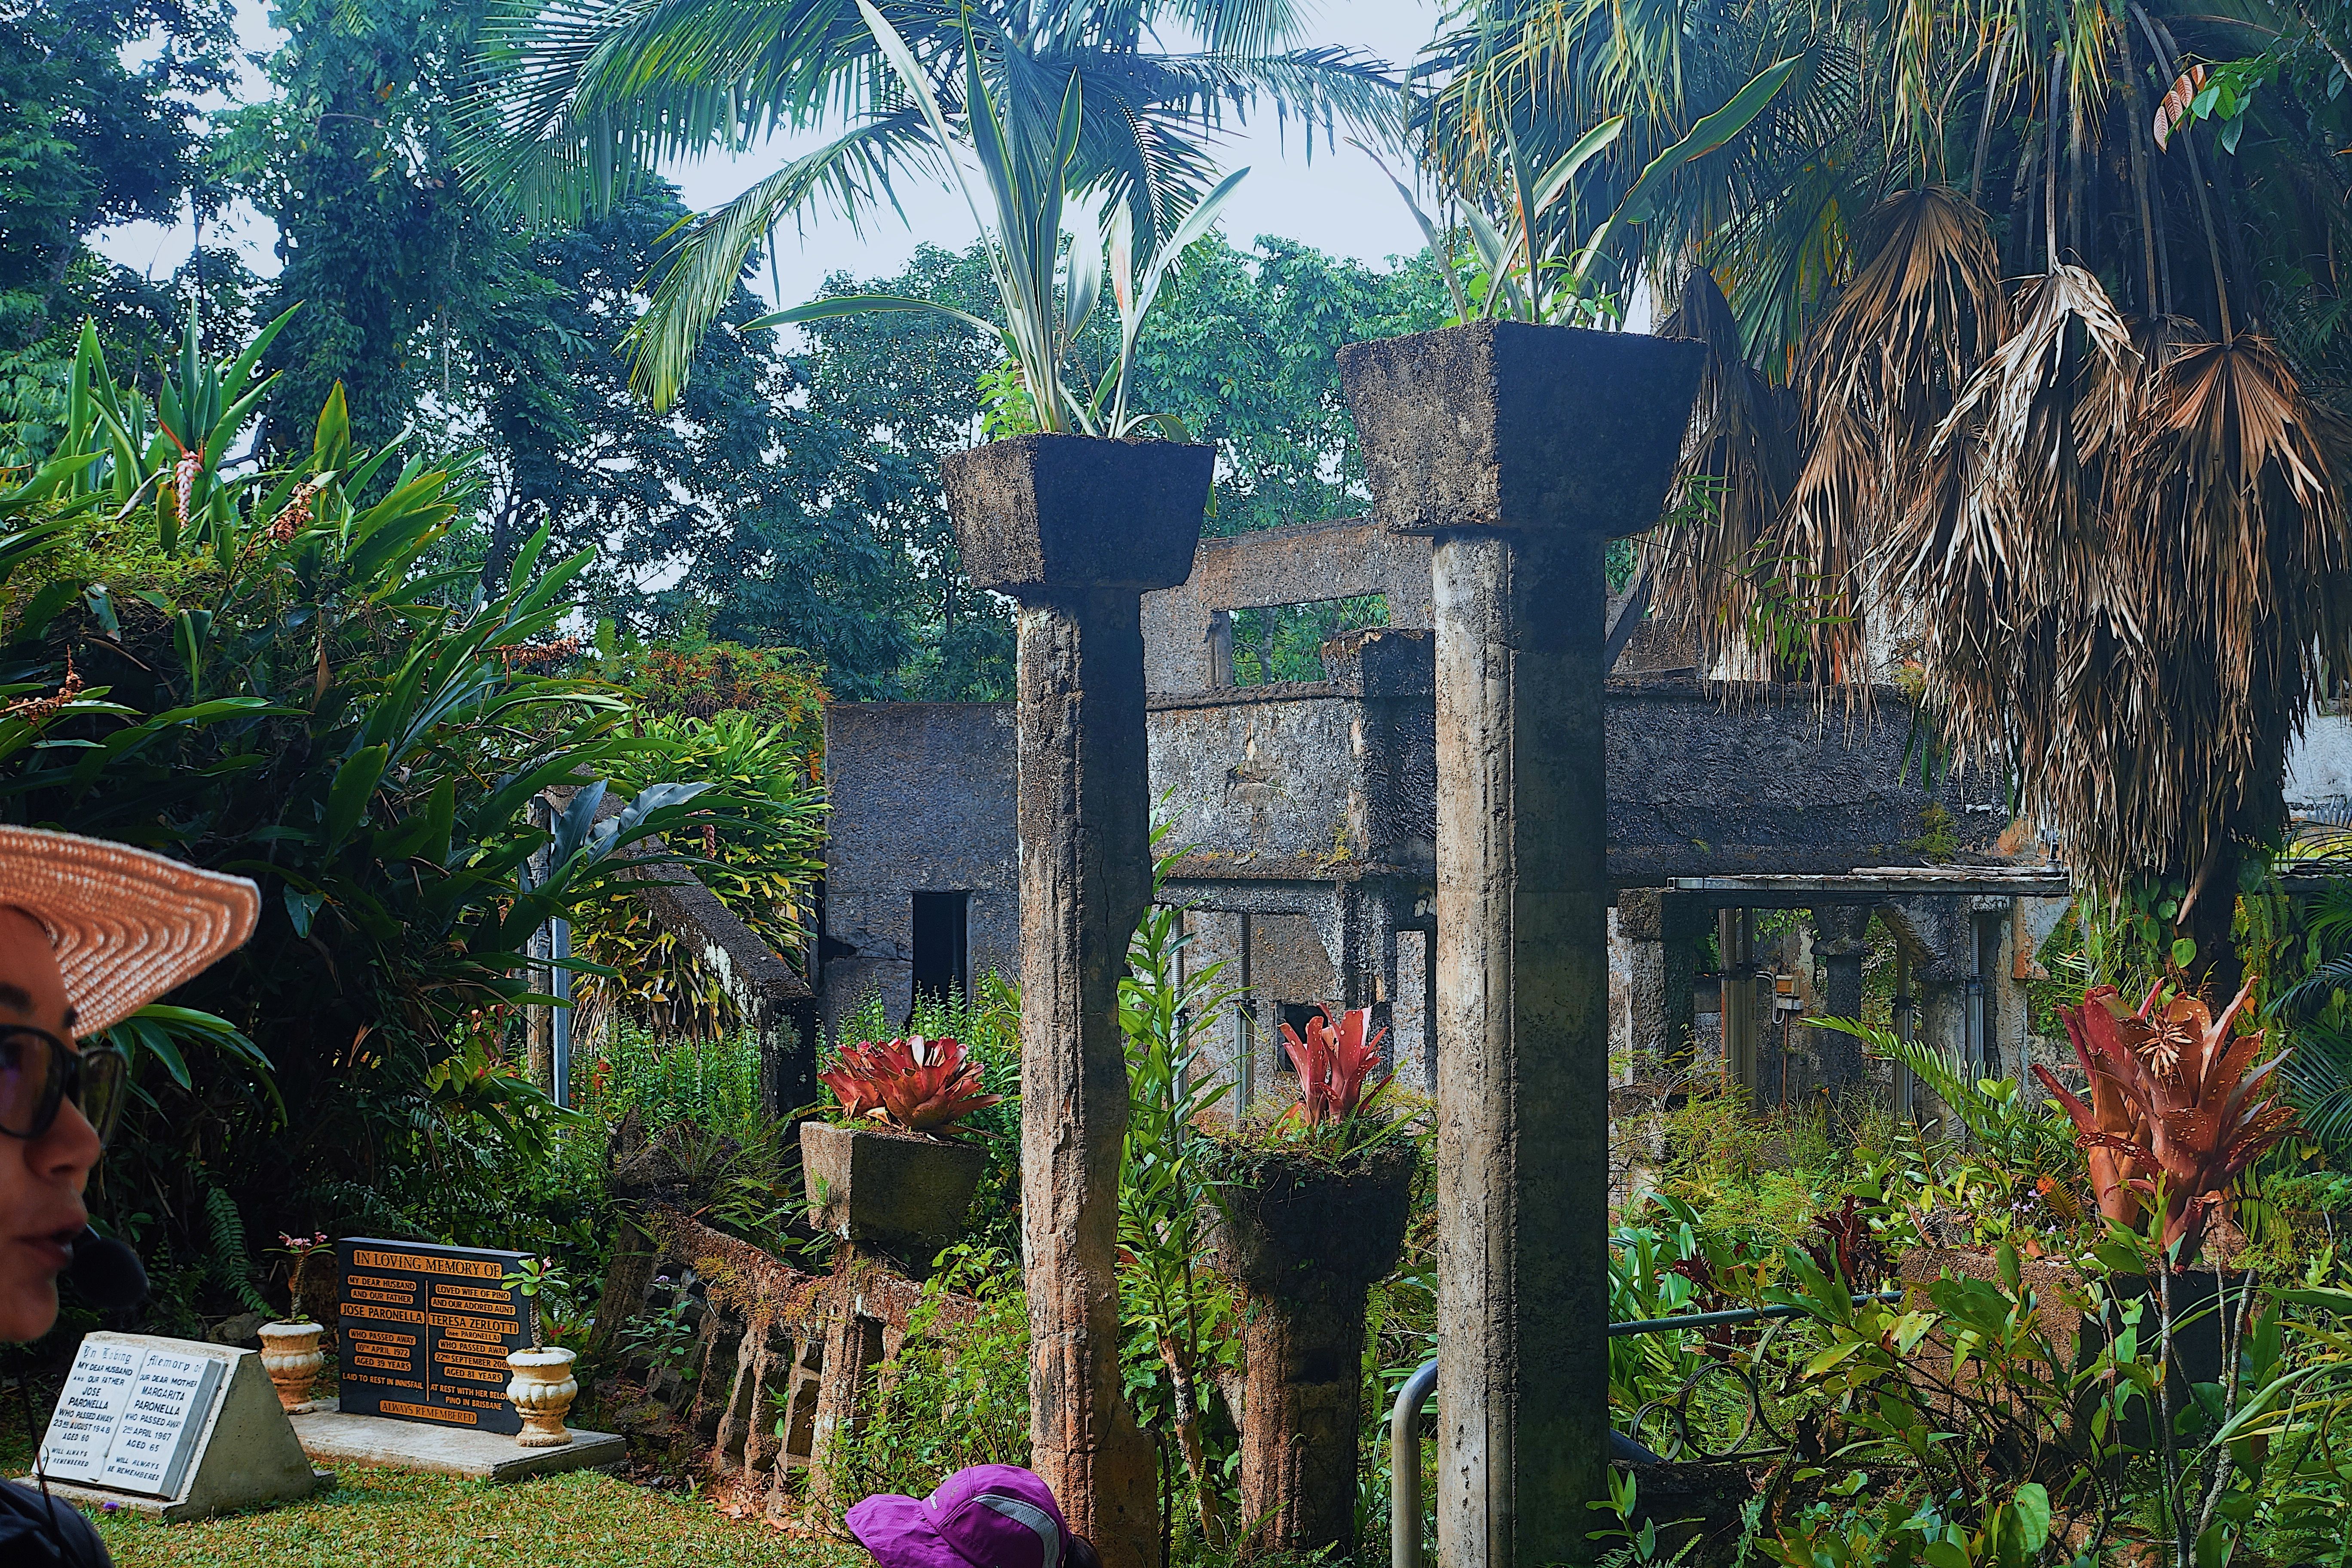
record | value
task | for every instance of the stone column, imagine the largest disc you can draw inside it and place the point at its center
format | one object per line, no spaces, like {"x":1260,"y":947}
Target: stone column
{"x":1521,"y":450}
{"x":1076,"y":531}
{"x":1735,"y":936}
{"x":1841,"y":940}
{"x":1656,"y":928}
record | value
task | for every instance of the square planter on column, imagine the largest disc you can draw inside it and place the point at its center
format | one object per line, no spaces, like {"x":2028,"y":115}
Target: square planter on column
{"x":1076,"y":531}
{"x":1522,"y":449}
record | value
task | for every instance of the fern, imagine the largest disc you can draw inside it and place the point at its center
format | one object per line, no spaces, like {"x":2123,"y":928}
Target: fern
{"x":1945,"y":1076}
{"x":230,"y":1263}
{"x":2315,"y":1013}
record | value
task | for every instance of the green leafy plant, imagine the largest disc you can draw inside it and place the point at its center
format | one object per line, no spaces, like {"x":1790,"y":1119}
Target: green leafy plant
{"x":1178,"y":1315}
{"x":1047,"y":294}
{"x":956,"y":1394}
{"x":1530,"y":267}
{"x":2017,"y":1132}
{"x":531,"y":1279}
{"x":261,"y":667}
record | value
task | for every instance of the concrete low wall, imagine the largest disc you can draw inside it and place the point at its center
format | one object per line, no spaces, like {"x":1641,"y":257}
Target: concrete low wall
{"x":2319,"y":764}
{"x":1710,"y":779}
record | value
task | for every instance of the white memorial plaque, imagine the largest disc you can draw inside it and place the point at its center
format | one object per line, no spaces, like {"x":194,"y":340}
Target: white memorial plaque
{"x":88,"y":1408}
{"x":169,"y":1400}
{"x":129,"y":1416}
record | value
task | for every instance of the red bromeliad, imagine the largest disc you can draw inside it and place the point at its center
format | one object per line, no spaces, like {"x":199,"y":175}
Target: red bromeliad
{"x":2176,"y":1103}
{"x":1334,"y":1061}
{"x":912,"y":1084}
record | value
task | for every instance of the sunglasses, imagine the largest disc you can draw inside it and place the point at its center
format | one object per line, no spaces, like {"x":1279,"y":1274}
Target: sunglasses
{"x":39,"y":1072}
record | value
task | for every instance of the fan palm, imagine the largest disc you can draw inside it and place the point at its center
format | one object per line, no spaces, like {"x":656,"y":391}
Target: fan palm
{"x":2050,"y":402}
{"x":578,"y":100}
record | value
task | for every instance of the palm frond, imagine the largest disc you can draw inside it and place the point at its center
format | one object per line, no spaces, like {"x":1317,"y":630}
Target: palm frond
{"x":714,"y":253}
{"x":1883,"y":370}
{"x":1739,"y":462}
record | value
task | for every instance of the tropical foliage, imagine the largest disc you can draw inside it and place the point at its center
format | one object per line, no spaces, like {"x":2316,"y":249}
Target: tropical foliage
{"x":256,"y":668}
{"x":1046,"y":296}
{"x":2179,"y":1107}
{"x":1337,"y":1064}
{"x":577,"y":102}
{"x":911,"y":1084}
{"x":2102,"y":493}
{"x":1178,"y":1316}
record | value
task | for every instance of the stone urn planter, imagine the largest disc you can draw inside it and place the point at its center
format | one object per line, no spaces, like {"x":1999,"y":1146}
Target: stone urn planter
{"x":542,"y":1389}
{"x":1305,"y":1237}
{"x":290,"y":1354}
{"x":898,"y":1195}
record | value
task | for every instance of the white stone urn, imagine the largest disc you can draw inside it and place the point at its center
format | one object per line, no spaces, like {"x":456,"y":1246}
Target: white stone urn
{"x":542,"y":1389}
{"x":290,"y":1354}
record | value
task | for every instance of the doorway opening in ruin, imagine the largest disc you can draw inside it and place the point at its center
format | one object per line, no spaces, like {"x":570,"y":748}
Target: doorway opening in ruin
{"x":1270,"y":643}
{"x":1296,"y":1015}
{"x":943,"y":946}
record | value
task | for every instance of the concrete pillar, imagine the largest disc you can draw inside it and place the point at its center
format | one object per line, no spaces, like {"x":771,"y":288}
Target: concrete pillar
{"x":1735,"y":937}
{"x":1520,"y":450}
{"x":1655,"y":927}
{"x":1841,"y":940}
{"x":1075,"y":530}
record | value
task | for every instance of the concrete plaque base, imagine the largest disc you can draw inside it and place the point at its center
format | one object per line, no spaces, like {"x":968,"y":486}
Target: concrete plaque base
{"x":171,"y":1511}
{"x":329,"y":1436}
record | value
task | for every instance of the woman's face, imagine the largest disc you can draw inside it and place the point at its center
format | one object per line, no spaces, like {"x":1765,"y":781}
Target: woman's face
{"x":40,"y":1178}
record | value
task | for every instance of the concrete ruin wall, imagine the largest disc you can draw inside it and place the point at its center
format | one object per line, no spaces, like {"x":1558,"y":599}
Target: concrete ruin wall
{"x":1304,"y":778}
{"x":922,"y":802}
{"x":1304,"y":564}
{"x":1714,"y":779}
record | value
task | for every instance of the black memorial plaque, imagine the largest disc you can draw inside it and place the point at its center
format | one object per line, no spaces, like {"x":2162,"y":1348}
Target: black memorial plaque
{"x":426,"y":1333}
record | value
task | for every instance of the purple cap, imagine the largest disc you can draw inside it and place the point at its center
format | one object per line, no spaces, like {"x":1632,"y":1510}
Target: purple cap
{"x":990,"y":1516}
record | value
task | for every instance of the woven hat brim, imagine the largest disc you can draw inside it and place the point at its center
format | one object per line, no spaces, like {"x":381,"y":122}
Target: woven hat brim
{"x":128,"y":925}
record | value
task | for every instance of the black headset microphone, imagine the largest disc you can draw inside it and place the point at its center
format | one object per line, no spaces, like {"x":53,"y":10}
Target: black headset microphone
{"x":106,"y":1271}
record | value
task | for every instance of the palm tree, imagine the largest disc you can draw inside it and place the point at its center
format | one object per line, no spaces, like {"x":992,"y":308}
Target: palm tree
{"x":2041,"y":378}
{"x":578,"y":100}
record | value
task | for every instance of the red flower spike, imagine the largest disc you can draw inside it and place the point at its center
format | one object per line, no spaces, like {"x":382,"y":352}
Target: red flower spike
{"x":2173,"y":1104}
{"x":913,"y":1084}
{"x":1333,"y":1062}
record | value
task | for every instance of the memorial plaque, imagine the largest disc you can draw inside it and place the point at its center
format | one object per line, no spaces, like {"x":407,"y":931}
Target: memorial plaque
{"x":130,"y":1413}
{"x":425,"y":1332}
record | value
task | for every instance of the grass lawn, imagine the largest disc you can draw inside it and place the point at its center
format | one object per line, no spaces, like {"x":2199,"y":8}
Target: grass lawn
{"x":396,"y":1519}
{"x":392,"y":1517}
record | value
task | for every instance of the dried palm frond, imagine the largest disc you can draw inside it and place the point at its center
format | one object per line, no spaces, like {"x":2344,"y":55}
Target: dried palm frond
{"x":2130,"y":567}
{"x":2001,"y":550}
{"x":2232,"y":532}
{"x":1739,"y":461}
{"x":1911,"y":327}
{"x":1881,"y":374}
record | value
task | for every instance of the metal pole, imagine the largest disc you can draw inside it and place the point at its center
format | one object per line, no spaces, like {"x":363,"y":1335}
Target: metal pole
{"x":1405,"y":1467}
{"x":560,"y":1019}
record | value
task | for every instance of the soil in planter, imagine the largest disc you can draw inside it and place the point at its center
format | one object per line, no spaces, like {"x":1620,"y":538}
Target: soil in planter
{"x":1298,"y":1223}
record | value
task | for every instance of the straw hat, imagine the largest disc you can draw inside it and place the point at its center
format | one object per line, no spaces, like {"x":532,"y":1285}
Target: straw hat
{"x":127,"y":924}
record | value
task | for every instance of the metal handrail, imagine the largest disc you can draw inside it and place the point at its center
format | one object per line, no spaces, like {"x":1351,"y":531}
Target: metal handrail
{"x":1413,"y":1399}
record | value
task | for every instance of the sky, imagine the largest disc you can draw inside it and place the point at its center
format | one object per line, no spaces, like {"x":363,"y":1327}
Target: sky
{"x":1337,"y":201}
